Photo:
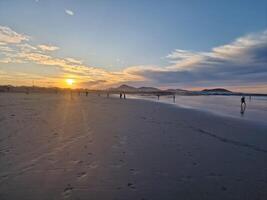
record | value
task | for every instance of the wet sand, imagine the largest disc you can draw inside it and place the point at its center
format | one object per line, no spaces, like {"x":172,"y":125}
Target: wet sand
{"x":55,"y":147}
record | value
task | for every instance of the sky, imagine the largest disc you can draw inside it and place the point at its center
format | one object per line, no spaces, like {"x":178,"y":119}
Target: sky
{"x":189,"y":44}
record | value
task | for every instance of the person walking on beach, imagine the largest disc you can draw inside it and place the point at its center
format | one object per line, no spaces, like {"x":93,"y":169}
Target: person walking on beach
{"x":86,"y":93}
{"x":243,"y":105}
{"x":124,"y":95}
{"x":107,"y":94}
{"x":173,"y":98}
{"x":120,"y":95}
{"x":158,"y":96}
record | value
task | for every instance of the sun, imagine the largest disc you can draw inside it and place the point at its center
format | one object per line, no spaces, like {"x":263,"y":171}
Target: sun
{"x":70,"y":81}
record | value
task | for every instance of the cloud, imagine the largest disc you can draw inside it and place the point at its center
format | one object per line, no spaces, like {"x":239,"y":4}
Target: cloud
{"x":41,"y":55}
{"x":45,"y":47}
{"x":92,"y":83}
{"x":242,"y":62}
{"x":69,"y":12}
{"x":7,"y":36}
{"x":74,"y":61}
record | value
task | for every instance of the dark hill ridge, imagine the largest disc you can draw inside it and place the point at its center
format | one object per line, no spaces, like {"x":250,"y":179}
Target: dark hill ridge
{"x":217,"y":90}
{"x":148,"y":89}
{"x":127,"y":88}
{"x":177,"y":91}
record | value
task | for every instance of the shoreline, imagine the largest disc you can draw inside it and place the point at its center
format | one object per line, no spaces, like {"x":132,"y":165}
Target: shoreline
{"x":205,"y":110}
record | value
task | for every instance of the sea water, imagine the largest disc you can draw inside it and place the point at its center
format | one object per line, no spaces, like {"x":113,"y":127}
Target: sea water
{"x":256,"y":106}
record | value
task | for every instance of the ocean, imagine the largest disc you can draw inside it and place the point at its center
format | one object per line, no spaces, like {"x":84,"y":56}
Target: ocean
{"x":256,"y":109}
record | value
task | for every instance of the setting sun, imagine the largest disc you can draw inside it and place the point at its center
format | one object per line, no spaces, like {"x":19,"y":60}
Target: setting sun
{"x":70,"y":81}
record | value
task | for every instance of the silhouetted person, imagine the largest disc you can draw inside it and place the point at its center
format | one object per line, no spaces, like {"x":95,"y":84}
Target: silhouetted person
{"x":158,"y":96}
{"x":86,"y":93}
{"x":120,"y":95}
{"x":107,"y":94}
{"x":173,"y":98}
{"x":124,"y":95}
{"x":243,"y":105}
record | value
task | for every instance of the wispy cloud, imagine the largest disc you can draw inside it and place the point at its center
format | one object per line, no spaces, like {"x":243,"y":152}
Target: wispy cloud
{"x":45,"y":47}
{"x":69,"y":12}
{"x":7,"y":35}
{"x":75,"y":61}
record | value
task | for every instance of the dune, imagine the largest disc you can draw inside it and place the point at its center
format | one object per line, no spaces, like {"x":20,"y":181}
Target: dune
{"x":53,"y":146}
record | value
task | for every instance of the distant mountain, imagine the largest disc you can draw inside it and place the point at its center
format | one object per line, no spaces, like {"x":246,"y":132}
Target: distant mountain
{"x":220,"y":90}
{"x":124,"y":88}
{"x":131,"y":89}
{"x":178,"y":91}
{"x":127,"y":88}
{"x":148,"y":89}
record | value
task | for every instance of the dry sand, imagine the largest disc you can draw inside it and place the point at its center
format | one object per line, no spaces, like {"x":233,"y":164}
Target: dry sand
{"x":55,"y":147}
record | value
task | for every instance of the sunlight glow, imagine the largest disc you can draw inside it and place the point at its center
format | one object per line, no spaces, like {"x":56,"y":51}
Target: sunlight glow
{"x":70,"y":81}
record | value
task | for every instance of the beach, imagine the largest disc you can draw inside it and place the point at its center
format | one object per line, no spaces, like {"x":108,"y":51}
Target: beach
{"x":54,"y":146}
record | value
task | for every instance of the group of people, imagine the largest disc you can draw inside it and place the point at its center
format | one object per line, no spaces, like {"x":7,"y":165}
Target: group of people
{"x":122,"y":94}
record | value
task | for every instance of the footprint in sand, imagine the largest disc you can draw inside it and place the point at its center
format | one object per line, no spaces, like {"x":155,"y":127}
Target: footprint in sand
{"x":67,"y":191}
{"x":80,"y":162}
{"x":131,"y":185}
{"x":134,"y":171}
{"x":76,"y":162}
{"x":93,"y":165}
{"x":81,"y":175}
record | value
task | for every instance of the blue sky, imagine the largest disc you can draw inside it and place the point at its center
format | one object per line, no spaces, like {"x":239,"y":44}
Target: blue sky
{"x":116,"y":35}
